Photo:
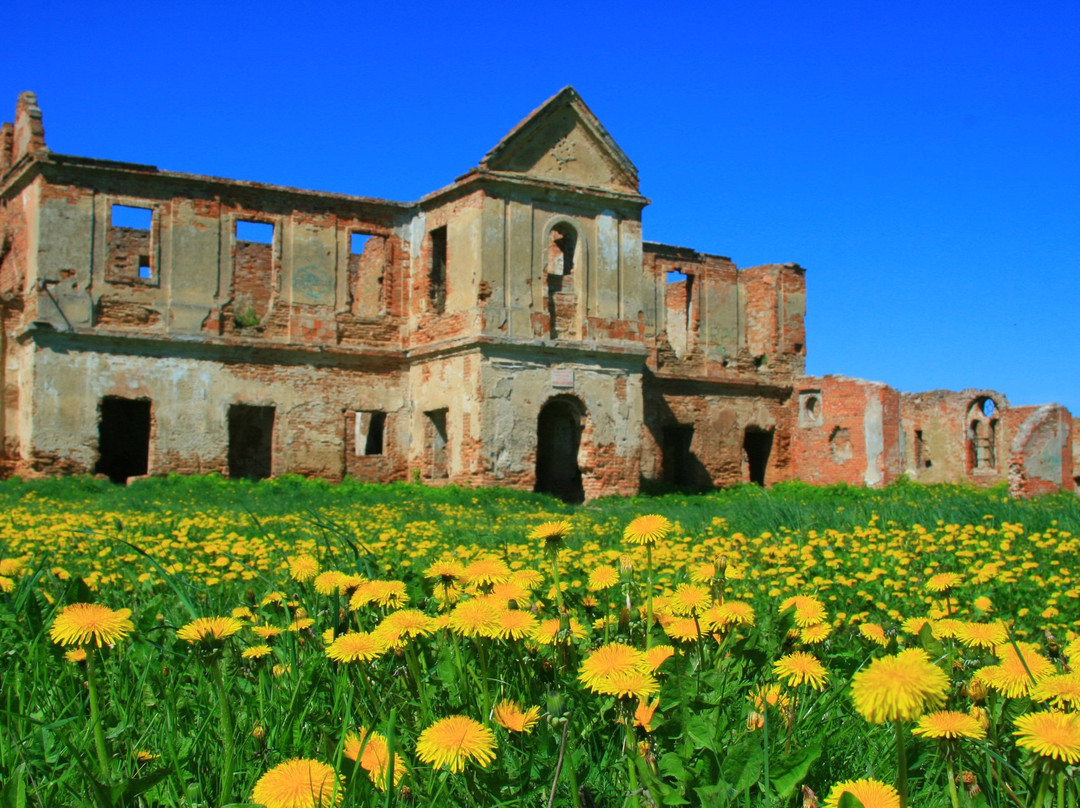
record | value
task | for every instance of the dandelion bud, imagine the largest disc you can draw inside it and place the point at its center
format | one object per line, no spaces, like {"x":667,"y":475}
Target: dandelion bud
{"x":970,"y":783}
{"x":626,"y":566}
{"x":250,"y":595}
{"x":259,"y":732}
{"x":721,"y":566}
{"x":755,"y":721}
{"x":981,"y":715}
{"x":300,"y":613}
{"x":976,"y":690}
{"x":624,"y":620}
{"x":809,"y":798}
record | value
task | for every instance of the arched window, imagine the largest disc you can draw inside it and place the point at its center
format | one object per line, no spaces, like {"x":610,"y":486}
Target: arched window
{"x":982,"y":433}
{"x":558,"y":273}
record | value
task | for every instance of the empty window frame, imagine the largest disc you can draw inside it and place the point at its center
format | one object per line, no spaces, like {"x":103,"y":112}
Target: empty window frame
{"x":435,"y":440}
{"x":369,"y":429}
{"x":437,"y":271}
{"x":131,"y":245}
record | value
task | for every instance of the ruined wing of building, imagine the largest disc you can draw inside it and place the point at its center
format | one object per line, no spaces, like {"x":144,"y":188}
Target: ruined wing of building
{"x":511,"y":328}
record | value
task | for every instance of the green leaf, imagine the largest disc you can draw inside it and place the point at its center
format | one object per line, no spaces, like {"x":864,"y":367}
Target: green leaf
{"x":791,"y":770}
{"x":849,"y":800}
{"x":742,"y":765}
{"x":701,"y":729}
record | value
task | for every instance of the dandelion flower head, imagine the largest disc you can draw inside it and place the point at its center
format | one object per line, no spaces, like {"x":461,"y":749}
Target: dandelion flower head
{"x":210,"y":630}
{"x":299,"y":783}
{"x":899,"y":688}
{"x":800,"y":667}
{"x":453,"y":741}
{"x":83,"y":623}
{"x":948,"y":724}
{"x":647,"y":530}
{"x":510,"y":715}
{"x":1050,"y":734}
{"x":870,"y":793}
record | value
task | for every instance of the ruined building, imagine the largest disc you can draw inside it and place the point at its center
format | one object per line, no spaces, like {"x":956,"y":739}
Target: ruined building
{"x":512,"y":328}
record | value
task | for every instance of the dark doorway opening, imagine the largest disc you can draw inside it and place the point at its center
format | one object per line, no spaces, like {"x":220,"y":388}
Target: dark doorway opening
{"x":123,"y":438}
{"x":558,"y":437}
{"x":251,"y":441}
{"x":435,"y":440}
{"x":757,"y":444}
{"x":677,"y":457}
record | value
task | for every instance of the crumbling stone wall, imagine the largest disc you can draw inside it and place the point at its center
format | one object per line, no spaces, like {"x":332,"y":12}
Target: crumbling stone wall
{"x":511,"y":328}
{"x":847,"y":431}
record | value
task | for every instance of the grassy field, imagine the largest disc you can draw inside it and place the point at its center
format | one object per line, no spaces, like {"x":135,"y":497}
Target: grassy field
{"x":294,"y":643}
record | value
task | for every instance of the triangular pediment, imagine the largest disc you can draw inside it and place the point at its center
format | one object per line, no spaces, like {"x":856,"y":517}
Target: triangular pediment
{"x":562,"y":141}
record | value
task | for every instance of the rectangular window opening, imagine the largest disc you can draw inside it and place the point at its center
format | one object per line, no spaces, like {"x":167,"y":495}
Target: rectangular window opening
{"x":370,"y":428}
{"x":437,"y":275}
{"x":677,"y":458}
{"x":358,"y":243}
{"x":435,"y":441}
{"x":132,"y":218}
{"x":145,"y":271}
{"x":123,"y":438}
{"x":251,"y":441}
{"x":254,"y":232}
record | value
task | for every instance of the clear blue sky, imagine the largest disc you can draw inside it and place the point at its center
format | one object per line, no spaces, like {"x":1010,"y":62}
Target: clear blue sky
{"x":920,"y":159}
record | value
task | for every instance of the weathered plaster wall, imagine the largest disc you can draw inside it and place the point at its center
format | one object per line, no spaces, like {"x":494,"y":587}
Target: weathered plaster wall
{"x":190,"y":400}
{"x":1040,"y":453}
{"x":517,"y":386}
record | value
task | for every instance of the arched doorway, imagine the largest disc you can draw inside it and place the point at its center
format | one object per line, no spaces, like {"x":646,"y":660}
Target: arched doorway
{"x":558,"y":437}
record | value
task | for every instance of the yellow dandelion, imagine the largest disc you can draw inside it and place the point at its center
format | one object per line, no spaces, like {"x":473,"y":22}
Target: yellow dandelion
{"x":647,"y":530}
{"x":796,"y":668}
{"x":408,"y":623}
{"x":475,"y":618}
{"x":949,"y":724}
{"x":547,"y":633}
{"x":809,"y":611}
{"x":356,"y":646}
{"x":299,"y":783}
{"x":83,"y":623}
{"x":943,"y":582}
{"x":515,"y":624}
{"x":1050,"y":734}
{"x":209,"y":630}
{"x":446,"y":570}
{"x":812,"y":635}
{"x":608,"y":660}
{"x":656,"y":656}
{"x":689,"y":599}
{"x":983,"y":604}
{"x":266,"y":631}
{"x":390,"y":594}
{"x":1062,"y":690}
{"x":329,"y":582}
{"x":731,"y":613}
{"x":1016,"y":673}
{"x":303,"y":568}
{"x":301,"y":623}
{"x":633,"y":684}
{"x":484,"y":571}
{"x":602,"y":577}
{"x":914,"y":625}
{"x":511,"y":716}
{"x":874,"y":633}
{"x":771,"y":695}
{"x":899,"y":688}
{"x":869,"y":793}
{"x":75,"y":654}
{"x":451,"y":742}
{"x":372,"y":751}
{"x":643,"y":715}
{"x":982,"y":635}
{"x":681,"y":629}
{"x":256,"y":652}
{"x":551,"y":534}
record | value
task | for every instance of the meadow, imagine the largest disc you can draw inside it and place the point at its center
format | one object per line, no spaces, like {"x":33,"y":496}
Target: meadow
{"x":288,"y":643}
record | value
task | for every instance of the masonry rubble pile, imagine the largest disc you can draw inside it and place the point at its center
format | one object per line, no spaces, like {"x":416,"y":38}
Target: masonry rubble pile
{"x":511,"y":328}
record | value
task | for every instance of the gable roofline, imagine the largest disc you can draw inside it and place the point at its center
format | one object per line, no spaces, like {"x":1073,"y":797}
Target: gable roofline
{"x":566,"y":97}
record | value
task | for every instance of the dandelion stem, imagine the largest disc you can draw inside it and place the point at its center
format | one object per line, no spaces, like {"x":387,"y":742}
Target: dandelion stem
{"x":631,"y":751}
{"x":648,"y":600}
{"x":95,"y":715}
{"x":901,"y":764}
{"x":954,"y":798}
{"x":228,"y":738}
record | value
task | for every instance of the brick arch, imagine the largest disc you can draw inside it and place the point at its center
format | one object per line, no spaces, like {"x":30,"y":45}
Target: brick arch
{"x":561,"y":426}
